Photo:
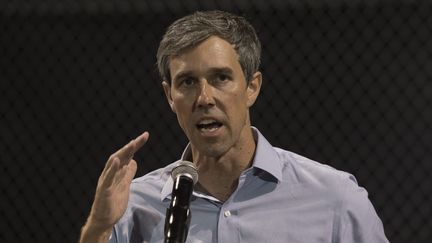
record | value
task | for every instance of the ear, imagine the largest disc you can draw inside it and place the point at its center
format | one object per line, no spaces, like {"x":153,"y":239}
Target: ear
{"x":254,"y":88}
{"x":167,"y":90}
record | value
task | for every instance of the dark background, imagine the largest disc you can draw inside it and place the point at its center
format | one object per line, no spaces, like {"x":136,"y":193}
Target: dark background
{"x":346,"y":83}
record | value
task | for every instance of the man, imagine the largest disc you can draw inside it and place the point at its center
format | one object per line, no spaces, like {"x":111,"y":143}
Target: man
{"x":248,"y":191}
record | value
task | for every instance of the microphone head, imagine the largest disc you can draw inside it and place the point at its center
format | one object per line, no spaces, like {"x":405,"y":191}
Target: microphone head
{"x":185,"y":168}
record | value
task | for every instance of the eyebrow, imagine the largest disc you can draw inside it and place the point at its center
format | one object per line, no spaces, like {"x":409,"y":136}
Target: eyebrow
{"x":224,"y":70}
{"x":182,"y":74}
{"x":212,"y":71}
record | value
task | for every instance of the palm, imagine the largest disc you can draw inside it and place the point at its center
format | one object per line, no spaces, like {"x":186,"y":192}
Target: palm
{"x":112,"y":193}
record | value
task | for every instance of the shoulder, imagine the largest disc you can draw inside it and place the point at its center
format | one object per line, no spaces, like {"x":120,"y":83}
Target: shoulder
{"x":301,"y":170}
{"x":311,"y":178}
{"x":354,"y":213}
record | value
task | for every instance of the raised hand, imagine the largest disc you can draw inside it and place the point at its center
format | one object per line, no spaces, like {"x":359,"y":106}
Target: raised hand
{"x":112,"y":192}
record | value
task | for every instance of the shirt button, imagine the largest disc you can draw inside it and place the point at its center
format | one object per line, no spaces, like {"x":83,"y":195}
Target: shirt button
{"x":227,"y":214}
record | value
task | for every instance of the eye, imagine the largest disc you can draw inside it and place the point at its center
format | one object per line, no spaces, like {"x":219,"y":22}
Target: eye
{"x":187,"y":82}
{"x":223,"y":77}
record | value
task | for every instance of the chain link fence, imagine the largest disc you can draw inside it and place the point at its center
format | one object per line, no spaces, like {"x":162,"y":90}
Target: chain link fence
{"x":347,"y":83}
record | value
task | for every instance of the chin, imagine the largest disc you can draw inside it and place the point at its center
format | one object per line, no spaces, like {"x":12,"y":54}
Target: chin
{"x":212,"y":150}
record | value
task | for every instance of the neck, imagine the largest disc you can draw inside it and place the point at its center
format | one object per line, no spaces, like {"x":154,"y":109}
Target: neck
{"x":219,"y":175}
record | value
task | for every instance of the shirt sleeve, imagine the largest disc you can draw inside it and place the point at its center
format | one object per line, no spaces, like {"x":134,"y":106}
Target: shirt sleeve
{"x":359,"y":223}
{"x":121,"y":230}
{"x":113,"y":236}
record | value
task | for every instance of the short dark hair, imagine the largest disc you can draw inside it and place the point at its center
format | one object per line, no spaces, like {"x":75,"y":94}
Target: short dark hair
{"x":193,"y":29}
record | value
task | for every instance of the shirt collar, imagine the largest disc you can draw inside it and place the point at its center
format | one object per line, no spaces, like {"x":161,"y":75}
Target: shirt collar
{"x":266,"y":159}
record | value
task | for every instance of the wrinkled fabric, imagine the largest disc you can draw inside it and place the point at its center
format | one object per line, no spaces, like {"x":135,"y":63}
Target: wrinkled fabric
{"x":283,"y":197}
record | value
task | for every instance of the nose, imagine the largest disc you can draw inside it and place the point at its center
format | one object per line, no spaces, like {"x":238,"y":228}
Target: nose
{"x":205,"y":95}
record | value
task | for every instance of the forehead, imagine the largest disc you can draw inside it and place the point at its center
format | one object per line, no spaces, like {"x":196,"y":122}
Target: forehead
{"x":213,"y":52}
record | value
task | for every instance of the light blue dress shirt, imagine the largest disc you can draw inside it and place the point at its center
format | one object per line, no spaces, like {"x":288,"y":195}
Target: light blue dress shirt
{"x":283,"y":197}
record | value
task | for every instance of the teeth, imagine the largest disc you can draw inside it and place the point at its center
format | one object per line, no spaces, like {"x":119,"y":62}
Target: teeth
{"x":209,"y":129}
{"x":208,"y":125}
{"x":207,"y":121}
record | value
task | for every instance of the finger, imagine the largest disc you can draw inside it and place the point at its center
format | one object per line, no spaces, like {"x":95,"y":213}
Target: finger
{"x":131,"y":170}
{"x":108,"y":164}
{"x":126,"y":153}
{"x":140,"y":141}
{"x":126,"y":174}
{"x":108,"y":177}
{"x":122,"y":178}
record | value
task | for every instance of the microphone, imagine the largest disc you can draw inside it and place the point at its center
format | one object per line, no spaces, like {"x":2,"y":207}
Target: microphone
{"x":178,"y":215}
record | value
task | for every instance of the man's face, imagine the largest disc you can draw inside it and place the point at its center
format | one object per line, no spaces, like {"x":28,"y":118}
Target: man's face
{"x":211,"y":97}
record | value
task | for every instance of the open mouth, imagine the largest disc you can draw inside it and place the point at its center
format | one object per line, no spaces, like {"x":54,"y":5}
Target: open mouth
{"x":208,"y":125}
